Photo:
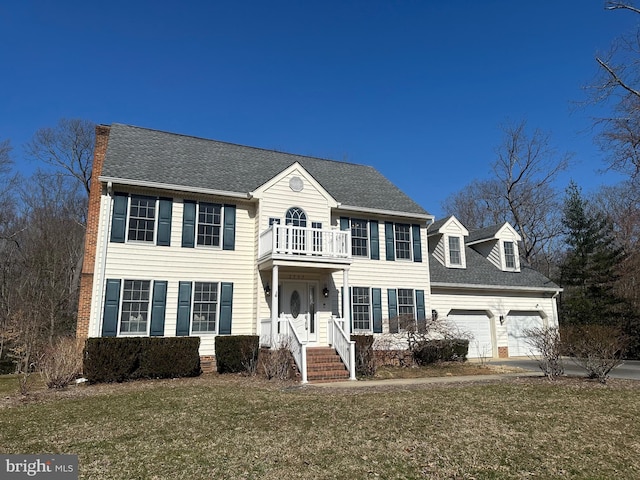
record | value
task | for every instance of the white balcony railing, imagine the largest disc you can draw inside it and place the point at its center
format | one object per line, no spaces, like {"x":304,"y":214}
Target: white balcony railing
{"x":290,"y":240}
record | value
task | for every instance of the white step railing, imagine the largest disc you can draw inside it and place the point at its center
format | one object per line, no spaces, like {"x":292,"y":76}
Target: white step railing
{"x":345,"y":347}
{"x":290,"y":240}
{"x":298,"y":349}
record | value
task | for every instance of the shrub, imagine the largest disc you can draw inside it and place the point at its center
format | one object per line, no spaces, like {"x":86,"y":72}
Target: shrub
{"x":547,"y":341}
{"x":237,"y":353}
{"x":365,"y":361}
{"x":596,"y":348}
{"x":62,"y":363}
{"x":277,"y":362}
{"x":169,"y":357}
{"x":445,"y":350}
{"x":116,"y":359}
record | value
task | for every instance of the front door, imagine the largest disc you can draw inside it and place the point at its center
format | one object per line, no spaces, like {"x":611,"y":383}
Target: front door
{"x":299,"y":302}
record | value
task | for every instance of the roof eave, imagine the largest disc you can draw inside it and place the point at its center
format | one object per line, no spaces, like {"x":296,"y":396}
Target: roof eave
{"x":172,"y":187}
{"x":391,"y":213}
{"x":463,"y":286}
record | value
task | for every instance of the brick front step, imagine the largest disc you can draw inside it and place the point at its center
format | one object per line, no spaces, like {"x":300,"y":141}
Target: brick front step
{"x":324,"y":365}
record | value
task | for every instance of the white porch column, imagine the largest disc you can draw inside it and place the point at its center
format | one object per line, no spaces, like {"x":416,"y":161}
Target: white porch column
{"x":274,"y":305}
{"x":346,"y":307}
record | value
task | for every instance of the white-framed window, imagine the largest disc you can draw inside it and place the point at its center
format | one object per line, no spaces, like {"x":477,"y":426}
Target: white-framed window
{"x":209,"y":231}
{"x":135,"y":306}
{"x":406,"y":303}
{"x":359,"y":237}
{"x":509,"y":255}
{"x":205,"y":304}
{"x":455,"y":254}
{"x":141,"y":218}
{"x":361,"y":308}
{"x":402,"y":232}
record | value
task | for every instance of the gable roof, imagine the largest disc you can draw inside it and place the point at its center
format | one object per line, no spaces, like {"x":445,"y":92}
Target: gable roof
{"x":142,"y":156}
{"x":481,"y":272}
{"x":442,"y":226}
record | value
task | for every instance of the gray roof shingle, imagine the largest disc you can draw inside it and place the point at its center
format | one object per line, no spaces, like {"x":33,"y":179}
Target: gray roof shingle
{"x":144,"y":155}
{"x":484,"y":233}
{"x":481,"y":271}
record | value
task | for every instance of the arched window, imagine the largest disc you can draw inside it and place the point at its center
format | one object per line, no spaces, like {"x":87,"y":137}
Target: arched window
{"x":296,"y":217}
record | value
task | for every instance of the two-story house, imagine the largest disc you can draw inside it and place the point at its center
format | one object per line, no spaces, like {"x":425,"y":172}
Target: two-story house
{"x":188,"y":236}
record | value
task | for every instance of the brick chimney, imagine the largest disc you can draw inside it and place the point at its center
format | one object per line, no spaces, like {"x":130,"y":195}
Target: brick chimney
{"x":91,"y":235}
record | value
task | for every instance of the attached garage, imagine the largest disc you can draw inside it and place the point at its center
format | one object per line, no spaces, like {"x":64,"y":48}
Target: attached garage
{"x":517,"y":324}
{"x":476,"y":326}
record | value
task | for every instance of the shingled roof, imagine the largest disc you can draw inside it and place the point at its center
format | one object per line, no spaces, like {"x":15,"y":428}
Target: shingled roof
{"x":138,"y":155}
{"x":481,"y":272}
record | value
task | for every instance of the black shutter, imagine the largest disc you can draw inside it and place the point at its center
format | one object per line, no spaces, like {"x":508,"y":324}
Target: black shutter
{"x":393,"y":310}
{"x":119,"y":217}
{"x":389,"y":241}
{"x":111,"y":309}
{"x":374,"y":240}
{"x":189,"y":224}
{"x":158,"y":308}
{"x":229,"y":232}
{"x":184,"y":309}
{"x":417,"y":244}
{"x":226,"y":308}
{"x":165,"y":208}
{"x":376,"y":297}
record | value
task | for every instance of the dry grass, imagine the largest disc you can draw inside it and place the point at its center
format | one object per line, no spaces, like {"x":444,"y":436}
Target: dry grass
{"x":235,"y":427}
{"x":440,"y":370}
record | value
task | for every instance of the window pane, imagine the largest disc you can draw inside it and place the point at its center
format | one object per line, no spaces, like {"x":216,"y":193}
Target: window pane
{"x":142,"y":214}
{"x":209,"y":224}
{"x":359,"y":238}
{"x":454,"y":251}
{"x":361,"y":308}
{"x":205,"y":305}
{"x":135,"y":306}
{"x":509,"y":255}
{"x":405,"y":302}
{"x":403,"y":241}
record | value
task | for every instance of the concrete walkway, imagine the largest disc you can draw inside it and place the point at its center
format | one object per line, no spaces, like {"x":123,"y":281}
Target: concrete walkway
{"x":402,"y":382}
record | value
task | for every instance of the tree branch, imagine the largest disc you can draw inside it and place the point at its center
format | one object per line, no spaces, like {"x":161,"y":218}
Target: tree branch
{"x":616,"y":78}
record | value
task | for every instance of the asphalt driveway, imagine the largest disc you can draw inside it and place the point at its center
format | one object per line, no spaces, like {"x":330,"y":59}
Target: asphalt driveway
{"x":629,"y":370}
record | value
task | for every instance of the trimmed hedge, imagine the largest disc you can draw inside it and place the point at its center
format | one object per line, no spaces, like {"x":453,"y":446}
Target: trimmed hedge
{"x":237,"y":353}
{"x":431,"y":351}
{"x":117,"y":359}
{"x":365,"y":362}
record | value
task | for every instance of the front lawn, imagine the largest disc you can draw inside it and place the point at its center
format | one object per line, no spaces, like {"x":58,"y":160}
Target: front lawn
{"x":235,"y":427}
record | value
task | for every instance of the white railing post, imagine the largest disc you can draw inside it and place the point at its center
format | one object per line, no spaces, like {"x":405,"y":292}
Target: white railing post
{"x":352,"y":360}
{"x":303,"y":369}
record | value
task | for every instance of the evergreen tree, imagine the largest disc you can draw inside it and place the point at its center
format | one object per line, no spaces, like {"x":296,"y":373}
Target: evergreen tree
{"x":588,"y":272}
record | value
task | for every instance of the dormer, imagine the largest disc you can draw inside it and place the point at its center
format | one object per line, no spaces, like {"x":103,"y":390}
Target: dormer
{"x":499,"y":245}
{"x":446,"y":242}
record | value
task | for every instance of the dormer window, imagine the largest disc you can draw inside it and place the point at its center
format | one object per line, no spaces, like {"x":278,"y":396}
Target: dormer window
{"x":455,"y":257}
{"x":509,"y":256}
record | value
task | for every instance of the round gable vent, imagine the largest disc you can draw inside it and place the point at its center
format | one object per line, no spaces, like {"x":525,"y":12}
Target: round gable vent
{"x":296,"y":184}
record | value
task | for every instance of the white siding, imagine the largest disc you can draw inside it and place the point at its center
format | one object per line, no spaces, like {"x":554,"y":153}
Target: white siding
{"x":496,"y":304}
{"x":175,"y":264}
{"x":384,"y":274}
{"x":279,"y":197}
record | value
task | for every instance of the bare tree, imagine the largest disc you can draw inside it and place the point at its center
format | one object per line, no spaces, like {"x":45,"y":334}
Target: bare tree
{"x":618,"y":86}
{"x":68,"y":147}
{"x":521,"y":191}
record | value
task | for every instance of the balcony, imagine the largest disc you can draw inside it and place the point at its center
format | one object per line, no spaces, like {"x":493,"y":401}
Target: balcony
{"x":305,"y":244}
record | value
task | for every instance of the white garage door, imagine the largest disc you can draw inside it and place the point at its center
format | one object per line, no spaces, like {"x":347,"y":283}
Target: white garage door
{"x":476,"y":326}
{"x":517,"y":324}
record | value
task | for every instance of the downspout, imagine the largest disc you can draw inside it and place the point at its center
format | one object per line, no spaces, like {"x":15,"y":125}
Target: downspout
{"x":103,"y":262}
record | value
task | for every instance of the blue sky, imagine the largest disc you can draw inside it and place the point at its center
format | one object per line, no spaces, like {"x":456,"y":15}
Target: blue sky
{"x":417,"y":89}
